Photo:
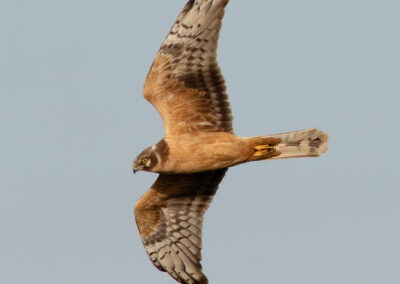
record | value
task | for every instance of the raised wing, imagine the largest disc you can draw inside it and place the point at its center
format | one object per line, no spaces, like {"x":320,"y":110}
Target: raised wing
{"x":169,"y":217}
{"x":185,"y":83}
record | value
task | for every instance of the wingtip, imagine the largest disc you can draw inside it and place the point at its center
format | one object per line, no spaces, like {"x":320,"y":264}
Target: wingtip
{"x":203,"y":280}
{"x":188,"y":6}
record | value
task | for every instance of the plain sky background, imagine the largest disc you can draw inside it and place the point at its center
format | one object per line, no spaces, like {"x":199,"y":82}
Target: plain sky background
{"x":72,"y":119}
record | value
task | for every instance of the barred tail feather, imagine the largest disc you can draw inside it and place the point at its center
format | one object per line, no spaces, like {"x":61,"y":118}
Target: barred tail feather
{"x":303,"y":143}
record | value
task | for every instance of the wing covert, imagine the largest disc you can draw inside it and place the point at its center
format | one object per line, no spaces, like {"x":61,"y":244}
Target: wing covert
{"x":169,"y":218}
{"x":185,"y":83}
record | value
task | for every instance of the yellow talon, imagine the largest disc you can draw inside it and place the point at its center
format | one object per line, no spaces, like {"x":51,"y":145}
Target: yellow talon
{"x":263,"y":150}
{"x":260,"y":153}
{"x":265,"y":147}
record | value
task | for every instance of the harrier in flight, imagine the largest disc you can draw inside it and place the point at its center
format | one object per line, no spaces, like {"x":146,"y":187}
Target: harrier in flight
{"x":186,"y":86}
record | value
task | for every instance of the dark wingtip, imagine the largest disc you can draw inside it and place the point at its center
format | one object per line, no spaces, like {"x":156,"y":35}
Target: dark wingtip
{"x":187,"y":7}
{"x":203,"y":280}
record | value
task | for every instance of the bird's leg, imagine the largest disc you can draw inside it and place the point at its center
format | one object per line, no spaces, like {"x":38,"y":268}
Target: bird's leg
{"x":262,"y":150}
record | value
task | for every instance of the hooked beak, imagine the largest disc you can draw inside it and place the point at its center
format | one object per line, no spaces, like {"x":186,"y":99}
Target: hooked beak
{"x":135,"y":169}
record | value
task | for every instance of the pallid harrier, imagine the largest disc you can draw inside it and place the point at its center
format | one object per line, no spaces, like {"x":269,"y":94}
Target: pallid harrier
{"x":187,"y":88}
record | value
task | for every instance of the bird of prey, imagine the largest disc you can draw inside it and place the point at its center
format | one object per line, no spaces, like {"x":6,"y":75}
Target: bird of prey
{"x":186,"y":87}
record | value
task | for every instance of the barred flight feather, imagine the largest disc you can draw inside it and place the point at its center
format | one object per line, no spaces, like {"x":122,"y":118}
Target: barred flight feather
{"x":188,"y":56}
{"x":169,"y":217}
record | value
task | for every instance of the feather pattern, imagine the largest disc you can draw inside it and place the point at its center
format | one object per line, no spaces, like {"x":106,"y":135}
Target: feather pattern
{"x":302,"y":143}
{"x":185,"y":83}
{"x":169,"y":217}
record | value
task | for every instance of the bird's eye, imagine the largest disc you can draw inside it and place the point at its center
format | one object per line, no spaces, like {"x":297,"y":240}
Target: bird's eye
{"x":145,"y":160}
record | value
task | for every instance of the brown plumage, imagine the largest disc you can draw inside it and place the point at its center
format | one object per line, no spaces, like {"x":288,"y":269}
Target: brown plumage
{"x":186,"y":86}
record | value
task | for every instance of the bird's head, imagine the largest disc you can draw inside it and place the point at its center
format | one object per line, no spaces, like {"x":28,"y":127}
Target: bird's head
{"x":152,"y":159}
{"x":146,"y":160}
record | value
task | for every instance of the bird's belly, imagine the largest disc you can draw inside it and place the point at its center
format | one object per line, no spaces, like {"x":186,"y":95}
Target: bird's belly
{"x":203,"y":157}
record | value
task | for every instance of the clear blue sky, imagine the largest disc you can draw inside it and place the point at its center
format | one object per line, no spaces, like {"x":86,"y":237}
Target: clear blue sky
{"x":72,"y":119}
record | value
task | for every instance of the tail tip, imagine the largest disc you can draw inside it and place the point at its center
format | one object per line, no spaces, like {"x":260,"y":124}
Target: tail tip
{"x":319,"y":141}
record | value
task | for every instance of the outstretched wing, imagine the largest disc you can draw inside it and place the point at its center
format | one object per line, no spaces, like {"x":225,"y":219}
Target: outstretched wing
{"x":185,"y":83}
{"x":169,"y":217}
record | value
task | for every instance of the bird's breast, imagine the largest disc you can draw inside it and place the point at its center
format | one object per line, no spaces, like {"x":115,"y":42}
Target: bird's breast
{"x":202,"y":152}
